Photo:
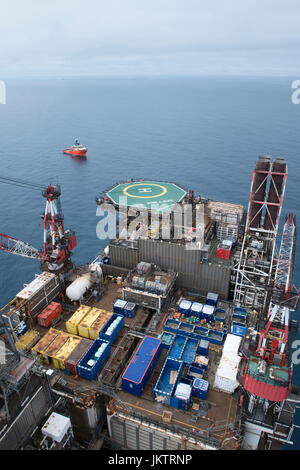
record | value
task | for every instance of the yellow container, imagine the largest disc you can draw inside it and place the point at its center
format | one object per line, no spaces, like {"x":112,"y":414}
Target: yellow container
{"x":99,"y":323}
{"x":76,"y":318}
{"x":64,"y":352}
{"x":86,"y":323}
{"x":55,"y":346}
{"x":28,"y":340}
{"x":43,"y":344}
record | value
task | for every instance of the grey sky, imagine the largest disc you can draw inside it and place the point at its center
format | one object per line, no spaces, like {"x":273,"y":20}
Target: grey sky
{"x":133,"y":37}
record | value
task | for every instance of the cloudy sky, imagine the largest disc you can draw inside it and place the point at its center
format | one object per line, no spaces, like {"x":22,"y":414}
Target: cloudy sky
{"x":149,"y":37}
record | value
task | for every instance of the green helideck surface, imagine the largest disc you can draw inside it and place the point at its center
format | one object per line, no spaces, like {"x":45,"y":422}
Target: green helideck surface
{"x":150,"y":194}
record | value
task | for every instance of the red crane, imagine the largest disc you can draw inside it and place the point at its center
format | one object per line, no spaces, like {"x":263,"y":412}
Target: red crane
{"x":58,"y":243}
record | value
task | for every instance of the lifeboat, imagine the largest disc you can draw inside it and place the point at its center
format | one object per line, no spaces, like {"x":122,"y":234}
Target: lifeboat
{"x":76,"y":149}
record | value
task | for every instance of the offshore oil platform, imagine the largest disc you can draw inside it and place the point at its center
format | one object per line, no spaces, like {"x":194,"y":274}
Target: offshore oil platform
{"x":178,"y":336}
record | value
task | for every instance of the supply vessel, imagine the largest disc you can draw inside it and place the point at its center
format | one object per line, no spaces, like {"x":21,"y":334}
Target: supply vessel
{"x":178,"y":336}
{"x":77,"y":150}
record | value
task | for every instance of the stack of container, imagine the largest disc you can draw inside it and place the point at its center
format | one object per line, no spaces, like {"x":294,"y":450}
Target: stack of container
{"x":141,"y":365}
{"x":73,"y":322}
{"x":221,"y":314}
{"x":185,"y":307}
{"x":200,"y":388}
{"x":238,"y":321}
{"x":119,"y":306}
{"x":92,"y":361}
{"x":226,"y":374}
{"x":49,"y":314}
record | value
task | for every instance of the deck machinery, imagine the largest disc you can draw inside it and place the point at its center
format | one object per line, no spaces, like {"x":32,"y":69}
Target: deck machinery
{"x":260,"y":411}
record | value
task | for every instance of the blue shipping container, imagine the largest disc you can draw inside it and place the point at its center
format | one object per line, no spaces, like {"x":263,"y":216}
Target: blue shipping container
{"x":195,"y":372}
{"x":185,"y":307}
{"x":238,"y":330}
{"x":203,"y":347}
{"x":179,"y":400}
{"x":212,"y":299}
{"x":167,"y":340}
{"x":111,"y":329}
{"x":200,"y":388}
{"x":166,"y":383}
{"x":172,"y":325}
{"x":130,"y":309}
{"x":141,"y":365}
{"x":208,"y":312}
{"x":239,"y":312}
{"x":177,"y":347}
{"x":186,"y":329}
{"x":119,"y":306}
{"x":196,"y":310}
{"x":189,"y":351}
{"x":90,"y":364}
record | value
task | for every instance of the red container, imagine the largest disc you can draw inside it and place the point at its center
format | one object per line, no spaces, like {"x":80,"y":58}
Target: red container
{"x":49,"y":314}
{"x":227,"y":253}
{"x":77,"y":353}
{"x":220,"y":253}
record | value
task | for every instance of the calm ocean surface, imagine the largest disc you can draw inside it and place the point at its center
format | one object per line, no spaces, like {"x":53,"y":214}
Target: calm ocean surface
{"x":205,"y":133}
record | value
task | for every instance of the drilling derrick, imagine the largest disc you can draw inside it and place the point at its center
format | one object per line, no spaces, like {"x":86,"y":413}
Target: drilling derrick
{"x":256,"y":264}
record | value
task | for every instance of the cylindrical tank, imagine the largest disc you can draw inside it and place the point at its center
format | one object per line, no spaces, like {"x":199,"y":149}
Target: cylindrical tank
{"x":96,"y":270}
{"x":78,"y":287}
{"x":275,"y":192}
{"x":258,"y":190}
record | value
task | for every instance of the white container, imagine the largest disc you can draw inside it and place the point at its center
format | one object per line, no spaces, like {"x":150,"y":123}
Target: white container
{"x":185,"y":304}
{"x":208,"y":309}
{"x":56,"y":427}
{"x":197,"y":307}
{"x":120,"y":303}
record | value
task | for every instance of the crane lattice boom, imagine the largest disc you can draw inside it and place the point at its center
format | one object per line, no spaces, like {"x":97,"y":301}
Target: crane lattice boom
{"x":17,"y":247}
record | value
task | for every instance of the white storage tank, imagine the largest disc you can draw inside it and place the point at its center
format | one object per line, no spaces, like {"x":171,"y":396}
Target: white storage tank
{"x":79,"y":287}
